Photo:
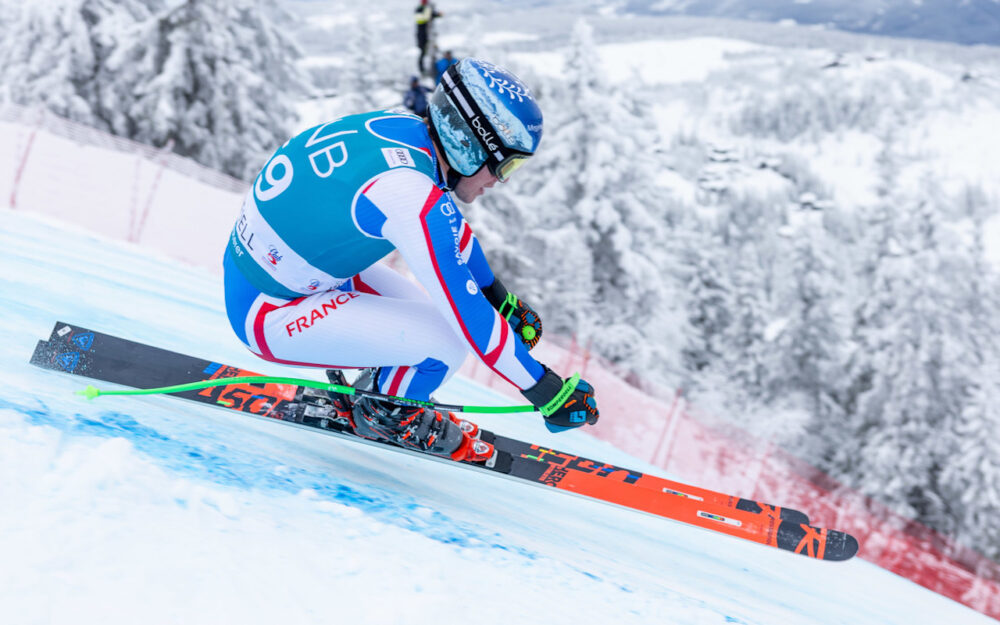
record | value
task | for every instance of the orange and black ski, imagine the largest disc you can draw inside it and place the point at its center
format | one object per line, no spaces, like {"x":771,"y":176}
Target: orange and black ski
{"x":98,"y":356}
{"x":562,"y":461}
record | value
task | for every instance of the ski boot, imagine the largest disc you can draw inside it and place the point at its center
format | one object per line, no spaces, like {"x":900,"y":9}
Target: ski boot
{"x":412,"y":427}
{"x":342,"y":404}
{"x":368,"y":381}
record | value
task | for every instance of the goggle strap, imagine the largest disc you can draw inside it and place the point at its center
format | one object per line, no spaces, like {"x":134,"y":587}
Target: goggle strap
{"x":456,"y":90}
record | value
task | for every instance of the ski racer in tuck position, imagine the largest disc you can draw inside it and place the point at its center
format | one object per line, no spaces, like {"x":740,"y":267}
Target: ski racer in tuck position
{"x":303,"y":285}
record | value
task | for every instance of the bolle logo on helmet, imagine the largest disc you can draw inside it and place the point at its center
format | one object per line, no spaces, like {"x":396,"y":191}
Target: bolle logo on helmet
{"x":503,"y":129}
{"x":484,"y":133}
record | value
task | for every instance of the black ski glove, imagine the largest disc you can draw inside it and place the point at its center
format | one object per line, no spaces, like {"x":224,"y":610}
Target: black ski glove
{"x":564,"y":404}
{"x":521,"y":317}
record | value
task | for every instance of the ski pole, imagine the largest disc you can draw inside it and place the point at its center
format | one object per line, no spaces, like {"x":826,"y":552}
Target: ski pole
{"x":92,"y":392}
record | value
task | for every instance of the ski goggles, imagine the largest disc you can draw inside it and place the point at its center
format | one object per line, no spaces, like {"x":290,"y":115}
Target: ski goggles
{"x":507,"y":166}
{"x":502,"y":161}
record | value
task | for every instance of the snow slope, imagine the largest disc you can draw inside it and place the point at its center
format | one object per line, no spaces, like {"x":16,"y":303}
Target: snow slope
{"x":150,"y":510}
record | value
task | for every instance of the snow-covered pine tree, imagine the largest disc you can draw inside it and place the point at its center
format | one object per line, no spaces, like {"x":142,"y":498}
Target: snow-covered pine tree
{"x":907,"y":395}
{"x":970,"y":478}
{"x":360,"y":82}
{"x":213,"y":78}
{"x":811,"y":334}
{"x":747,"y":355}
{"x":590,"y":193}
{"x":708,"y":290}
{"x":750,"y":255}
{"x":52,"y":54}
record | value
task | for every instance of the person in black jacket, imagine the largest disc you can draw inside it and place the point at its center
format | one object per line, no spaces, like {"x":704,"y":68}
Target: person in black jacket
{"x":425,"y":15}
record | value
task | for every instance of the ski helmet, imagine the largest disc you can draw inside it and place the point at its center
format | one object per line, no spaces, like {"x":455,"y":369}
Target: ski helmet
{"x":484,"y":115}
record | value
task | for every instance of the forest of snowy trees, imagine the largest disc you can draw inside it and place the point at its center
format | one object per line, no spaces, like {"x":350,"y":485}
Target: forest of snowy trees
{"x":871,"y":325}
{"x":869,"y":330}
{"x":213,"y":80}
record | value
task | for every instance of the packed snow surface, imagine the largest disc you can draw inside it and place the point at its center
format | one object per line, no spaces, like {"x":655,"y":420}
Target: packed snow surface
{"x":154,"y":510}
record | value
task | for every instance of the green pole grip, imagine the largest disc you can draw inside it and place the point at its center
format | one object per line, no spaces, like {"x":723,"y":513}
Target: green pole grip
{"x":556,"y":402}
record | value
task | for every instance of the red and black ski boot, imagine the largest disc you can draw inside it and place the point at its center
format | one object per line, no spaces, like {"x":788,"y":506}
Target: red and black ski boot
{"x":414,"y":427}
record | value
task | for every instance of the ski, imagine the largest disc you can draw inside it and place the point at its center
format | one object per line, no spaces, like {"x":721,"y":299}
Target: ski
{"x":98,"y":356}
{"x":565,"y":462}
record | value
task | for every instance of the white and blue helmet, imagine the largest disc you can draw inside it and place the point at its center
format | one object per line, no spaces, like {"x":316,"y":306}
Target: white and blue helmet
{"x":484,"y":115}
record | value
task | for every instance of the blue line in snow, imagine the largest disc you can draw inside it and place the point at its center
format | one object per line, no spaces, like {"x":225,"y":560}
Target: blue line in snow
{"x":249,"y":470}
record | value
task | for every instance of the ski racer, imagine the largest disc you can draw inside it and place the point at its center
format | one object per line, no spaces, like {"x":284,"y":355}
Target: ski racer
{"x":303,"y":285}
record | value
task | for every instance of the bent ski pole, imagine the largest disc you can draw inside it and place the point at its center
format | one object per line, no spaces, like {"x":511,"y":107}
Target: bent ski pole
{"x":92,"y":392}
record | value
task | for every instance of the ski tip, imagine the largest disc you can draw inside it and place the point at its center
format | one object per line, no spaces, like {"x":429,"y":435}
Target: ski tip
{"x":816,"y":542}
{"x":90,"y":392}
{"x":840,"y":546}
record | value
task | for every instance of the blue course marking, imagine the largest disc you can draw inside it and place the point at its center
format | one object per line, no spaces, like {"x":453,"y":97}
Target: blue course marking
{"x":250,"y":470}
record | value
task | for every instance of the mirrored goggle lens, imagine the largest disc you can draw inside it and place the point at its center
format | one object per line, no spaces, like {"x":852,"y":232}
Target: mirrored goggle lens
{"x":509,"y":166}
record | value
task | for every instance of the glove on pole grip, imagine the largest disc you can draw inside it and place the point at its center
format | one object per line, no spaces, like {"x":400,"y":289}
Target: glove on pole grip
{"x":550,"y":392}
